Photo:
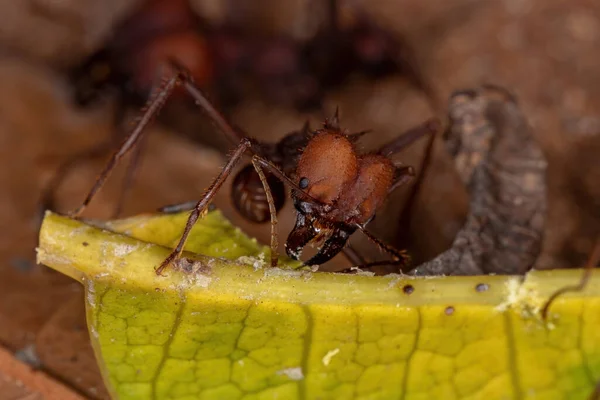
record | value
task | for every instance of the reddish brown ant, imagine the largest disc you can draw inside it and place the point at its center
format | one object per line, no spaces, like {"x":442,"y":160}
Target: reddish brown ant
{"x":218,"y":57}
{"x":335,"y":189}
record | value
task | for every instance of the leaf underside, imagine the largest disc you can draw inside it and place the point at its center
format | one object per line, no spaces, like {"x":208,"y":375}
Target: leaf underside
{"x":224,"y":325}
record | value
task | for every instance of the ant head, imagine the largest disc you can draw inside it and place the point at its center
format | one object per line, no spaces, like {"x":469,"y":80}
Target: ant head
{"x":341,"y":189}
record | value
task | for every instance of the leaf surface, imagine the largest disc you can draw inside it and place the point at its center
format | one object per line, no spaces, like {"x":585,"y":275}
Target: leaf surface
{"x":224,"y":325}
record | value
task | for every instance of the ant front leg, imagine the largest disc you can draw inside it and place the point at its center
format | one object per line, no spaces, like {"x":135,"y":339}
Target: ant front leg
{"x":202,"y":205}
{"x":359,"y":263}
{"x":272,"y":211}
{"x":399,"y":257}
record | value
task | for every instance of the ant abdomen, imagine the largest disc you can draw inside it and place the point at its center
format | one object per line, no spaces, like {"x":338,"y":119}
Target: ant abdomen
{"x":249,"y":197}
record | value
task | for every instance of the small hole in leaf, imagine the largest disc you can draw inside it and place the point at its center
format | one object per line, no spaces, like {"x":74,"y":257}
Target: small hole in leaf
{"x":449,"y":310}
{"x":482,"y":287}
{"x":408,"y":289}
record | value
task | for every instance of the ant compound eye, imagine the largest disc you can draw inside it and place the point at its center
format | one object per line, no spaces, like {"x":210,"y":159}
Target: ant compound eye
{"x":303,"y":183}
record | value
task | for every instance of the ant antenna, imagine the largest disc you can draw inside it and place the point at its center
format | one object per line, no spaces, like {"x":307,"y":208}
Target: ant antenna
{"x":587,"y":274}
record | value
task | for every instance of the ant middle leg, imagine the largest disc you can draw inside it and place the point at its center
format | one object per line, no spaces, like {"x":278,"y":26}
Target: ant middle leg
{"x":429,"y":128}
{"x":399,"y":257}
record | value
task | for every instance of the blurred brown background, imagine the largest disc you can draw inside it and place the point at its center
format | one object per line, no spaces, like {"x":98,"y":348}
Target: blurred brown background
{"x":545,"y":51}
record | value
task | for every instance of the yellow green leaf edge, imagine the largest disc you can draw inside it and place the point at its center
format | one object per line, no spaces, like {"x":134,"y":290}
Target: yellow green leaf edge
{"x":238,"y":329}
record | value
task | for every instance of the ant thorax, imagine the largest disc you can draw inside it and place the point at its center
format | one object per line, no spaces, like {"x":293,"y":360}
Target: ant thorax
{"x":342,"y":189}
{"x":332,"y":172}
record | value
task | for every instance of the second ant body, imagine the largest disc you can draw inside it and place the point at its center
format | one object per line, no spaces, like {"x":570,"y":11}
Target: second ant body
{"x":335,"y":189}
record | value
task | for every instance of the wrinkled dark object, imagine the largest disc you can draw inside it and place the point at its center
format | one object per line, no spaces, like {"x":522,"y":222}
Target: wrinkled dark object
{"x":505,"y":173}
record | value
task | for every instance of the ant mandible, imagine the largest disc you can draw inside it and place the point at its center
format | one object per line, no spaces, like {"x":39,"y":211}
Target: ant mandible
{"x":335,"y":190}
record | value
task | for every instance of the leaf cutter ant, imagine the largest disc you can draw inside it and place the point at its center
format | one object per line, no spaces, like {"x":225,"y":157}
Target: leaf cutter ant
{"x":219,"y":58}
{"x":335,"y":189}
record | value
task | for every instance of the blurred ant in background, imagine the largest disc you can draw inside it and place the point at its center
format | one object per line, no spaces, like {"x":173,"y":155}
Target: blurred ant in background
{"x":221,"y":58}
{"x":336,"y":190}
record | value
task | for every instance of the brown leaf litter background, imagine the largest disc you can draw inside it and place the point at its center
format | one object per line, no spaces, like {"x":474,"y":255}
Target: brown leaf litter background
{"x":545,"y":51}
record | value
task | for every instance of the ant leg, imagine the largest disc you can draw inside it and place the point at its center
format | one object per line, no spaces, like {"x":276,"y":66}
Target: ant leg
{"x":359,"y":263}
{"x":353,"y":256}
{"x":429,"y":127}
{"x":129,"y":176}
{"x":202,"y":205}
{"x":587,"y":274}
{"x":400,"y":257}
{"x":355,"y":268}
{"x":177,"y":208}
{"x":272,"y":211}
{"x":154,"y":105}
{"x":234,"y":134}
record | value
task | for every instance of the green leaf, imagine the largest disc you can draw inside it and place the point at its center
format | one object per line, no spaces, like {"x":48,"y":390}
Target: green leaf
{"x":221,"y":327}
